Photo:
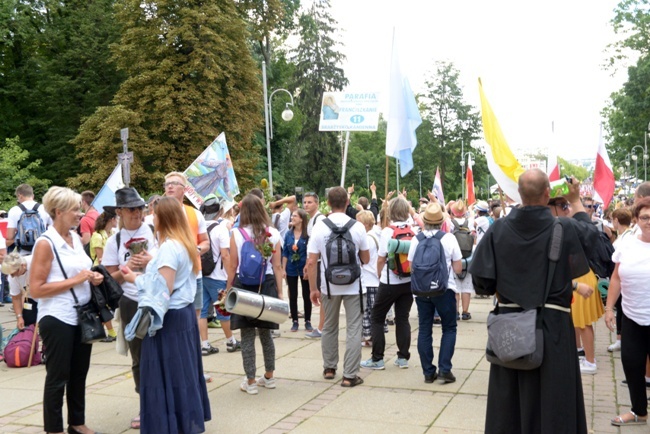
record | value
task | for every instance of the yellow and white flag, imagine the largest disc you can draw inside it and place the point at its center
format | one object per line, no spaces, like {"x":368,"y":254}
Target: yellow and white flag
{"x":502,"y":163}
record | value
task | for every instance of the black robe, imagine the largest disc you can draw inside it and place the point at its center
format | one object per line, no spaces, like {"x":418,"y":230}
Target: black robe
{"x":512,"y":259}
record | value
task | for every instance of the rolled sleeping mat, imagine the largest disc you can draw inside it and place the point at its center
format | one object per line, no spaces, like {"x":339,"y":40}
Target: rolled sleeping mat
{"x":603,"y":287}
{"x":257,"y":306}
{"x":398,"y":246}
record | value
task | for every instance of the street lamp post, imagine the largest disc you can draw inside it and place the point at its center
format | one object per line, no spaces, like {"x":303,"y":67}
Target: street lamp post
{"x":636,"y":162}
{"x":287,"y":115}
{"x":645,"y":153}
{"x":368,"y":176}
{"x":420,"y":179}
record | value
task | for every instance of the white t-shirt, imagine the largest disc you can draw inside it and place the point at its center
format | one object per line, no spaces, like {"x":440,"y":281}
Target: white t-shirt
{"x":369,"y":270}
{"x":312,"y":221}
{"x":282,"y":220}
{"x":386,"y":235}
{"x":452,"y":253}
{"x":74,"y":259}
{"x":633,"y":257}
{"x":113,"y":257}
{"x":14,"y":215}
{"x":18,"y":283}
{"x":3,"y":243}
{"x":318,"y":242}
{"x":239,"y":241}
{"x":219,"y":239}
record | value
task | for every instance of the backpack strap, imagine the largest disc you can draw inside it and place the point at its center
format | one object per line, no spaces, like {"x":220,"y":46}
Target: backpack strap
{"x":36,"y":206}
{"x":209,"y":229}
{"x":22,"y":207}
{"x":374,"y":239}
{"x":244,"y":234}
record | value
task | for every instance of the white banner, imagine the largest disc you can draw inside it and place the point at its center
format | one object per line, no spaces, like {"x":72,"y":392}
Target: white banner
{"x":349,"y":111}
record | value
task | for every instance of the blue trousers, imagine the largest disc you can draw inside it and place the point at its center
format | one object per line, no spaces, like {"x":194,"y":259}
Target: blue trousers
{"x":446,"y":307}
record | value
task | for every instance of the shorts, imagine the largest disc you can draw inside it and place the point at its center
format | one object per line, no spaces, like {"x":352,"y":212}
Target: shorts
{"x":211,"y":290}
{"x":198,"y":297}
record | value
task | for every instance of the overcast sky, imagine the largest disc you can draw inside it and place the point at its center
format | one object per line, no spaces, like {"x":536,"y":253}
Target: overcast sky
{"x":539,"y":61}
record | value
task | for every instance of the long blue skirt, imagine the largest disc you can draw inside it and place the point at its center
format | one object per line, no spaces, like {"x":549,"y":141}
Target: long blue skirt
{"x":173,"y":394}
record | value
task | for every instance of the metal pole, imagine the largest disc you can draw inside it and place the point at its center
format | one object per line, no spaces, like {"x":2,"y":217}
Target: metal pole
{"x":645,"y":155}
{"x":462,"y":168}
{"x":368,"y":176}
{"x":397,"y":173}
{"x":420,"y":179}
{"x":266,"y":123}
{"x":345,"y":157}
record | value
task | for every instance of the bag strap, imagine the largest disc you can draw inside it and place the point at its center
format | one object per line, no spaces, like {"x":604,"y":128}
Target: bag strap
{"x":244,"y":234}
{"x":554,"y":250}
{"x":58,"y":259}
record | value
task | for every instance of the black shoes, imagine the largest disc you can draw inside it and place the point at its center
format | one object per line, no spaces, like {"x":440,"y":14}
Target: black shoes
{"x":430,"y":378}
{"x":446,"y":377}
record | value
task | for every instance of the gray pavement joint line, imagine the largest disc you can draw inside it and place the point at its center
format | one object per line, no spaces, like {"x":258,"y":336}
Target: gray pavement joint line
{"x":301,"y":408}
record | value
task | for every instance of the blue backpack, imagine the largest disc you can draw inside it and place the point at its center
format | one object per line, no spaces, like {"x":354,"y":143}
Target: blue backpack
{"x":252,"y":265}
{"x":429,"y":273}
{"x":30,"y":226}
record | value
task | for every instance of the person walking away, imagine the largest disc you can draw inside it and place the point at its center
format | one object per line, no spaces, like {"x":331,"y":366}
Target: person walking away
{"x":369,"y":275}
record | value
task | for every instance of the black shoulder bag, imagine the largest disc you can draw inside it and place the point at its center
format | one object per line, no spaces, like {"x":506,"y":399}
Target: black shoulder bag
{"x":516,"y":339}
{"x":88,"y":320}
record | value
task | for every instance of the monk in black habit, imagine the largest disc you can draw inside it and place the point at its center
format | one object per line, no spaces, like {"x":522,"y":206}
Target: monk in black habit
{"x":512,"y":262}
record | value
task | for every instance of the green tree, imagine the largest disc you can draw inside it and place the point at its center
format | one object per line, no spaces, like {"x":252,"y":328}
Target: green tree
{"x":16,"y":169}
{"x":190,"y":76}
{"x":568,"y":169}
{"x":317,"y":70}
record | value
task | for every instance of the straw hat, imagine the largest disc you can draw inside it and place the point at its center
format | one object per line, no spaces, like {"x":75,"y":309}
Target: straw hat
{"x":433,"y":214}
{"x":458,"y":209}
{"x":482,"y":206}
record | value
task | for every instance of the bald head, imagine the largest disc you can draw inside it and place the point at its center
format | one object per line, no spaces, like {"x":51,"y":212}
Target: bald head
{"x":643,"y":190}
{"x":534,"y":188}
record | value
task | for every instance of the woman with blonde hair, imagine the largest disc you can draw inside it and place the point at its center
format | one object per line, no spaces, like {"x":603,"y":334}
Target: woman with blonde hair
{"x":173,"y":395}
{"x":60,"y":282}
{"x":17,"y":267}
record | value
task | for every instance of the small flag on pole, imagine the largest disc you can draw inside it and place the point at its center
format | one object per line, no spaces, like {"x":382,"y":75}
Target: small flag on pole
{"x":604,"y":181}
{"x":469,"y":182}
{"x":437,"y":188}
{"x":501,"y":161}
{"x":106,"y":196}
{"x":403,"y":116}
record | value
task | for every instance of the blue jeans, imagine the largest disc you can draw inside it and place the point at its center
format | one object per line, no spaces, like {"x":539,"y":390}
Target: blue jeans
{"x":446,"y":307}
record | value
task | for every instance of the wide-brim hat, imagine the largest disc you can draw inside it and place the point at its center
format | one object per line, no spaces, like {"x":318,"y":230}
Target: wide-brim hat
{"x":482,"y":206}
{"x":126,"y":197}
{"x":458,"y":209}
{"x":433,"y":214}
{"x":210,"y":208}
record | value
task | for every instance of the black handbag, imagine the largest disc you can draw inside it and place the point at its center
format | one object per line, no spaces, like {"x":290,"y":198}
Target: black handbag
{"x":516,"y":339}
{"x":88,"y":319}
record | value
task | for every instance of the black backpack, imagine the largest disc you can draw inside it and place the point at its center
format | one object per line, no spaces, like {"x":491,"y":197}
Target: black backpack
{"x":600,"y":256}
{"x":464,"y":237}
{"x":429,"y":273}
{"x":208,"y":264}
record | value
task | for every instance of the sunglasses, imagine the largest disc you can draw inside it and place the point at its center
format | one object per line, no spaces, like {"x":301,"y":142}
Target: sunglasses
{"x":589,"y":206}
{"x":174,"y":183}
{"x":563,"y":207}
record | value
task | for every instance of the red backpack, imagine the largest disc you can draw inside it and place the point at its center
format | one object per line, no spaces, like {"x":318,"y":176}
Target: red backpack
{"x":401,"y":265}
{"x":18,"y":349}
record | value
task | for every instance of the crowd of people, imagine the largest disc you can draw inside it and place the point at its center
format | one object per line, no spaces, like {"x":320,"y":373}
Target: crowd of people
{"x":162,"y":252}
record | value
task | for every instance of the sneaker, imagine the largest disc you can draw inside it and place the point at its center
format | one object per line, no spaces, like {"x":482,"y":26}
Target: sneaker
{"x":251,"y":389}
{"x":232,"y":347}
{"x":308,"y":326}
{"x":366,"y":343}
{"x":390,"y":322}
{"x":294,"y":327}
{"x":581,"y":354}
{"x":371,"y":364}
{"x":216,"y":324}
{"x":207,"y":378}
{"x":587,"y":368}
{"x":314,"y":334}
{"x":206,"y":351}
{"x":466,"y":316}
{"x":275,"y":334}
{"x":437,"y":322}
{"x":616,"y":346}
{"x":269,"y":383}
{"x":446,"y":377}
{"x":401,"y":363}
{"x":109,"y":338}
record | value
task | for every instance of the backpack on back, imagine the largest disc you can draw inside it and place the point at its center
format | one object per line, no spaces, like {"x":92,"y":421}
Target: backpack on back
{"x":17,"y":351}
{"x":252,"y":265}
{"x":464,"y":237}
{"x":208,"y":264}
{"x":429,"y":273}
{"x":400,"y":264}
{"x":30,"y":226}
{"x":600,"y":257}
{"x":342,"y":267}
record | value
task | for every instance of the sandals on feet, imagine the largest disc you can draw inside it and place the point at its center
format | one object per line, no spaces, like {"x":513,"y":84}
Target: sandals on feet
{"x":135,"y":422}
{"x":329,"y":373}
{"x":351,"y":382}
{"x":620,"y":420}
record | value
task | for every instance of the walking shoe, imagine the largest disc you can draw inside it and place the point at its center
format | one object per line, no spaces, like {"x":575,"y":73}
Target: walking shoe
{"x":390,"y":322}
{"x":294,"y":327}
{"x":371,"y":364}
{"x":108,"y":338}
{"x":206,"y":351}
{"x":466,"y":316}
{"x":207,"y":378}
{"x":308,"y":326}
{"x":587,"y":368}
{"x":647,"y":383}
{"x":216,"y":324}
{"x":437,"y":322}
{"x":616,"y":346}
{"x":269,"y":383}
{"x":251,"y":389}
{"x":430,"y":378}
{"x":275,"y":334}
{"x":446,"y":377}
{"x":314,"y":334}
{"x":231,"y":347}
{"x":401,"y":363}
{"x":581,"y":354}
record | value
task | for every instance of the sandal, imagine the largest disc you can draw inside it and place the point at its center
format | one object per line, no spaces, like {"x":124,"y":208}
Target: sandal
{"x":619,"y":421}
{"x":329,"y":373}
{"x":135,"y":422}
{"x":351,"y":382}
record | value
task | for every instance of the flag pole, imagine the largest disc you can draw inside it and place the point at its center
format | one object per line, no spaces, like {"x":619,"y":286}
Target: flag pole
{"x":386,"y":183}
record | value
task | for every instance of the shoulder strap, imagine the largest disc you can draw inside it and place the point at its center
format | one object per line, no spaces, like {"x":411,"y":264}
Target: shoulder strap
{"x":329,"y":223}
{"x":420,"y":237}
{"x":455,"y":223}
{"x":276,"y":220}
{"x":349,"y":224}
{"x":36,"y":206}
{"x":58,"y":259}
{"x":374,"y":239}
{"x":439,"y":235}
{"x":118,"y":236}
{"x":554,"y":250}
{"x":22,"y":207}
{"x":244,"y":234}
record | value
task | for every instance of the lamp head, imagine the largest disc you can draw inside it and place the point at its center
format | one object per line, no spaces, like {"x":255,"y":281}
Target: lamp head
{"x":287,"y":114}
{"x":634,"y":157}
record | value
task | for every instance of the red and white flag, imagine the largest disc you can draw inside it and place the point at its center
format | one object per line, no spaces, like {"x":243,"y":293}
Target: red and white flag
{"x":437,"y":188}
{"x":603,"y":175}
{"x":552,"y":167}
{"x":469,"y":182}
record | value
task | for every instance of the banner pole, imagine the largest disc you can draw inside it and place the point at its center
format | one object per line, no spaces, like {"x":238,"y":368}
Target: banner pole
{"x":386,"y":182}
{"x":345,"y":158}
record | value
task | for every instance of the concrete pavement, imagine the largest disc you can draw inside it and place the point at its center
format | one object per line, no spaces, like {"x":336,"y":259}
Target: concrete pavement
{"x":389,"y":401}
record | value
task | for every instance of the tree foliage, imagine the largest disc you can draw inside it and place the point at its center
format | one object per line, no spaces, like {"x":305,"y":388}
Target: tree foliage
{"x":16,"y":169}
{"x":190,"y":76}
